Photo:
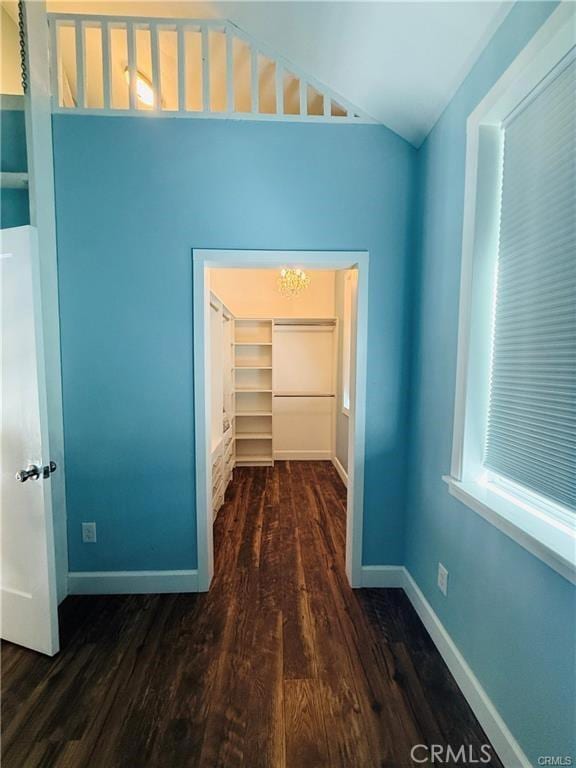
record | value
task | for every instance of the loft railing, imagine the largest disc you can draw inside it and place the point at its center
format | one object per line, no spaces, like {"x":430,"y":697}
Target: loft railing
{"x":180,"y":67}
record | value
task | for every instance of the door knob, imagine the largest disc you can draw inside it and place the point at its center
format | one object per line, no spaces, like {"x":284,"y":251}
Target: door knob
{"x":32,"y":473}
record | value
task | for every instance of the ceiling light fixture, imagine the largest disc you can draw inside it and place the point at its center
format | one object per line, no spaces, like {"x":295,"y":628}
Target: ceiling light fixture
{"x":292,"y":281}
{"x":144,"y":90}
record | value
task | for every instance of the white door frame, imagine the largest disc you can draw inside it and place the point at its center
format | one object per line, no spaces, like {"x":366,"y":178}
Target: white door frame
{"x":203,"y":260}
{"x":38,"y":120}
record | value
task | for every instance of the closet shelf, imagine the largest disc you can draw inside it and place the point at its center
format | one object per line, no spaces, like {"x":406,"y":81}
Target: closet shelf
{"x":253,"y":367}
{"x":252,"y":343}
{"x":253,"y":413}
{"x":222,"y":400}
{"x":253,"y":435}
{"x":250,"y":389}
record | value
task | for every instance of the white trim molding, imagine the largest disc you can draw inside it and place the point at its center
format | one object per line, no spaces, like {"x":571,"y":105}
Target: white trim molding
{"x":383,"y":576}
{"x":554,"y":41}
{"x":205,"y":259}
{"x":39,"y":152}
{"x":340,"y":469}
{"x":131,"y":582}
{"x":332,"y":108}
{"x":500,"y":736}
{"x":547,"y":539}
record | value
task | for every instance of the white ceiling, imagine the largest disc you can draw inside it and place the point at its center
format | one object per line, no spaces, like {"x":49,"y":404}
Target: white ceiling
{"x":399,"y":62}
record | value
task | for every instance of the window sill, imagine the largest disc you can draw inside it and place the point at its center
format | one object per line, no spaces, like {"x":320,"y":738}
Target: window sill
{"x":550,"y":541}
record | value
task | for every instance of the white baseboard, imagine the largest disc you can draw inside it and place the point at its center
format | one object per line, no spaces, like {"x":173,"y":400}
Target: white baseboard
{"x":340,"y":469}
{"x":379,"y":576}
{"x":131,"y":582}
{"x":303,"y":455}
{"x":506,"y":746}
{"x":382,"y":576}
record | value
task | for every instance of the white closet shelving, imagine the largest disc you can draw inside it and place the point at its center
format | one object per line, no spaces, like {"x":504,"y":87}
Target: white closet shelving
{"x":273,"y":391}
{"x":253,"y":392}
{"x":304,"y":384}
{"x":222,"y":399}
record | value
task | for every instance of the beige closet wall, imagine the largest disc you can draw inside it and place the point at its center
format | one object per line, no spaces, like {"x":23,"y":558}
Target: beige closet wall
{"x":254,"y":293}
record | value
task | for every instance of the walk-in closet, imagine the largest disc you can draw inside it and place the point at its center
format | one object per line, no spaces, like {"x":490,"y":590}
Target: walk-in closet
{"x":280,"y":367}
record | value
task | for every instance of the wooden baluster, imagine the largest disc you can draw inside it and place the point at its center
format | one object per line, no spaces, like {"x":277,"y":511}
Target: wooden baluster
{"x":279,"y":89}
{"x":131,"y":66}
{"x":181,"y":69}
{"x":205,"y":69}
{"x":303,"y":97}
{"x":230,"y":69}
{"x":156,"y":84}
{"x":255,"y":80}
{"x":80,"y":99}
{"x":106,"y":90}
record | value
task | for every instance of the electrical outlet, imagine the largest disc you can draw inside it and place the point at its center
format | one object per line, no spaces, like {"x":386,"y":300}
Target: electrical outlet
{"x":89,"y":533}
{"x":442,"y":579}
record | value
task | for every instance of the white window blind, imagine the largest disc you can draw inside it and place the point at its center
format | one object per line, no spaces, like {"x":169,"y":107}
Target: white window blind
{"x":531,"y":431}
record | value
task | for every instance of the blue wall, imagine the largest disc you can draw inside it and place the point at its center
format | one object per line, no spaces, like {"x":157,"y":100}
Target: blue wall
{"x":14,"y":209}
{"x":511,"y":616}
{"x":133,"y":197}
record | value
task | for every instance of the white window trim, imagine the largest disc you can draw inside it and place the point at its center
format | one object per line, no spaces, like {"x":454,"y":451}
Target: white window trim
{"x":535,"y":524}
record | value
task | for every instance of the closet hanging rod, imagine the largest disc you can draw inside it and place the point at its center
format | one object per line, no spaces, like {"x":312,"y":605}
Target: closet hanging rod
{"x":329,"y":322}
{"x":300,"y":394}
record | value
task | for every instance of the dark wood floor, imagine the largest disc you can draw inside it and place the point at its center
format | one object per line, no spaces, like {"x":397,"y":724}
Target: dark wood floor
{"x":280,"y":664}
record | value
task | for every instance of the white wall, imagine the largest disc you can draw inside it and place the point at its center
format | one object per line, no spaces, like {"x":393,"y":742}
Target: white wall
{"x":254,"y":293}
{"x":341,"y":418}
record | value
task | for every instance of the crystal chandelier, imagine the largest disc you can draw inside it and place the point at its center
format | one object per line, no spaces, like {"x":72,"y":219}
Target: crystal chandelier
{"x":292,"y":281}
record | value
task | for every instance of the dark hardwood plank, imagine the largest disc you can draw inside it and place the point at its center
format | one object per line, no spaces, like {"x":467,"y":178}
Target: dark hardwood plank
{"x":348,"y":739}
{"x":297,"y":634}
{"x":249,"y":673}
{"x":280,"y":665}
{"x":306,"y":740}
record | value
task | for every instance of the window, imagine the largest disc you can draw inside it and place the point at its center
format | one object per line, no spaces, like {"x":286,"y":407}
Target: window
{"x":346,"y":339}
{"x":531,"y":432}
{"x":514,"y":449}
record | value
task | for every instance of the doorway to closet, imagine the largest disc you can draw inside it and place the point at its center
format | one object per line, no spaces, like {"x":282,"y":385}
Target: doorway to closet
{"x":279,"y":379}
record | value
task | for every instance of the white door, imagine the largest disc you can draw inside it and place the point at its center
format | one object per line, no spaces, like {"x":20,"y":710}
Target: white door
{"x":29,"y":610}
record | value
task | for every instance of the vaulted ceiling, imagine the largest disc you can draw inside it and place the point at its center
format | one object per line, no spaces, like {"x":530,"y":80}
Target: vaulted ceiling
{"x":399,"y":62}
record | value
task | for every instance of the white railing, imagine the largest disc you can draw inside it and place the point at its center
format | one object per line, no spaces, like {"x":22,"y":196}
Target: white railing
{"x":180,"y":67}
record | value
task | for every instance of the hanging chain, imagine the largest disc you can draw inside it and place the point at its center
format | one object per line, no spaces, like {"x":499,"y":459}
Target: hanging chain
{"x":22,"y":37}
